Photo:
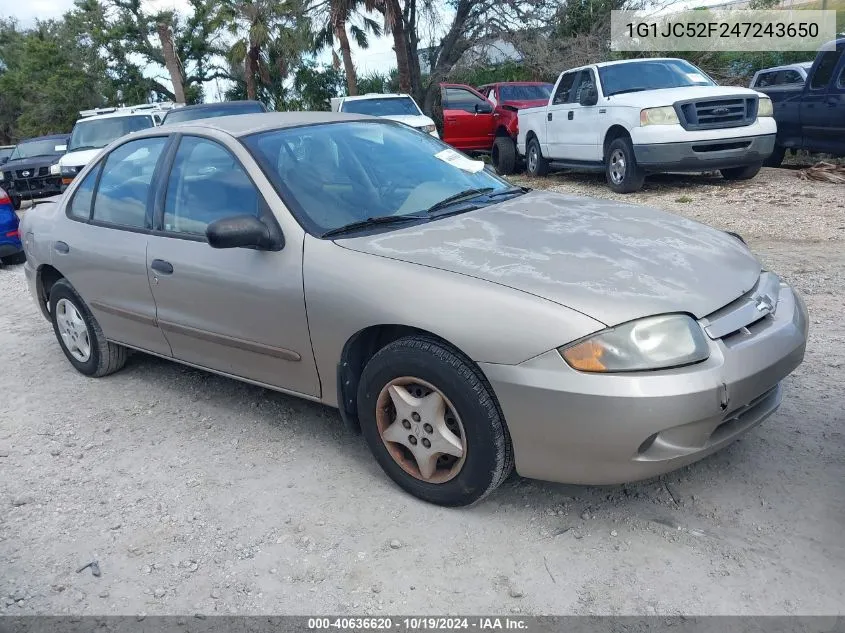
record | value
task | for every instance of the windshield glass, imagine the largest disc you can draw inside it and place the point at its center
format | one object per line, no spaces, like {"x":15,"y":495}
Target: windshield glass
{"x":390,"y":106}
{"x":223,"y":109}
{"x":341,"y":173}
{"x":5,"y":152}
{"x":541,"y":92}
{"x":653,"y":74}
{"x":97,"y":133}
{"x":39,"y":147}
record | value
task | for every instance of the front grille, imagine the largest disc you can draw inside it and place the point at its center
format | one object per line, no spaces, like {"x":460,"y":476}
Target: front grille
{"x":32,"y":172}
{"x":738,"y":319}
{"x":708,"y":114}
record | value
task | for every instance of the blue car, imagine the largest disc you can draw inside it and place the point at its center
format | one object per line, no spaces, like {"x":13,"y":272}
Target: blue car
{"x":11,"y":249}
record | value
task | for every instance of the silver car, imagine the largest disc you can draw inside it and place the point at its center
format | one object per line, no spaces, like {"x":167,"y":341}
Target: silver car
{"x":464,"y":325}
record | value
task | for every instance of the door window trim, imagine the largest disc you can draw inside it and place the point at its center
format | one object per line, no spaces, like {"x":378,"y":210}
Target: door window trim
{"x":98,"y":167}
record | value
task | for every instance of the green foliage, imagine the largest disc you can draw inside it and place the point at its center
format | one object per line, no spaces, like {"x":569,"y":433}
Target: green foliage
{"x":379,"y":83}
{"x":314,"y":86}
{"x":510,"y":71}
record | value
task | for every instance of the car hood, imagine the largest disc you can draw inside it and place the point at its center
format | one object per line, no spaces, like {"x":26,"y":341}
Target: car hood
{"x":30,"y":163}
{"x":414,"y":120}
{"x":79,"y":158}
{"x":533,"y":103}
{"x":668,"y":96}
{"x":611,"y":261}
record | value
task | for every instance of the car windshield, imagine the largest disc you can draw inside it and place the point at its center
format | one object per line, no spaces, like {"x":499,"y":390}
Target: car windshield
{"x":5,"y":152}
{"x":540,"y":92}
{"x":39,"y":147}
{"x":99,"y":132}
{"x":650,"y":75}
{"x":340,"y":173}
{"x":389,"y":106}
{"x":208,"y":112}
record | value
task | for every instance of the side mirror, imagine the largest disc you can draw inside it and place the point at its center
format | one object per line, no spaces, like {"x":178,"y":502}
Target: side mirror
{"x":483,"y":108}
{"x":4,"y":160}
{"x":242,"y":231}
{"x":589,"y":96}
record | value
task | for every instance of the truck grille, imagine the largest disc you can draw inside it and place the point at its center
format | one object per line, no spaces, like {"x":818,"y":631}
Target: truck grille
{"x":32,"y":172}
{"x":717,"y":113}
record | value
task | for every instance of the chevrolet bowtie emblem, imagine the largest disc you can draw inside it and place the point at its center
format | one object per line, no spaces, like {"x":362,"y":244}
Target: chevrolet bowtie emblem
{"x":764,"y":304}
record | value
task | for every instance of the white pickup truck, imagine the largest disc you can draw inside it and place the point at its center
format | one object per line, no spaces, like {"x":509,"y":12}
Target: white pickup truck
{"x":631,"y":117}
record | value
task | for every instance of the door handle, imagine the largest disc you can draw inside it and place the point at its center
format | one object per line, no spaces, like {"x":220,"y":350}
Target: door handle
{"x":161,"y":266}
{"x":549,"y":116}
{"x":570,"y":115}
{"x":61,"y":247}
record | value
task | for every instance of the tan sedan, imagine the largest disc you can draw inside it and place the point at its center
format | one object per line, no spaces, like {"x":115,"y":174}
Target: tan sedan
{"x":461,"y":323}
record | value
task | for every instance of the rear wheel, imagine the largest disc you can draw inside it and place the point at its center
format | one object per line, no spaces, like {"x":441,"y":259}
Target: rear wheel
{"x":80,"y":336}
{"x":775,"y":159}
{"x":504,"y":155}
{"x":621,"y":170}
{"x":741,"y":173}
{"x":535,"y":164}
{"x":432,"y":422}
{"x":17,"y":258}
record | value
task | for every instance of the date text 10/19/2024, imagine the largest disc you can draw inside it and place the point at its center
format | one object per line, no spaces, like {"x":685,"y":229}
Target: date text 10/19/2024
{"x":430,"y":623}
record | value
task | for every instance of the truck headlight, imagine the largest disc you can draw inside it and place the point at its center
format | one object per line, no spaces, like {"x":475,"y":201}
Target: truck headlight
{"x":1,"y":176}
{"x":764,"y":107}
{"x":665,"y":115}
{"x":428,"y":129}
{"x":68,"y":171}
{"x":55,"y":170}
{"x":657,"y":342}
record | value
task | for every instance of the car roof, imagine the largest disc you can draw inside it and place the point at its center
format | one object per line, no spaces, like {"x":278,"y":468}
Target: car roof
{"x":116,"y":115}
{"x":377,"y":95}
{"x":44,"y":138}
{"x":515,"y":83}
{"x":239,"y":125}
{"x":804,"y":65}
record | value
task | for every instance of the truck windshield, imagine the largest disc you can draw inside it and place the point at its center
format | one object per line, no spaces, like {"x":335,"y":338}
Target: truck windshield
{"x":99,"y":132}
{"x":539,"y":92}
{"x":39,"y":147}
{"x":653,"y":74}
{"x":390,"y":106}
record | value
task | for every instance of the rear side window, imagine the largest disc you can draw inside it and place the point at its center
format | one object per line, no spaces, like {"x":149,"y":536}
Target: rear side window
{"x":80,"y":205}
{"x":765,"y":79}
{"x":206,"y":183}
{"x":824,"y":70}
{"x":126,"y":183}
{"x":790,"y":77}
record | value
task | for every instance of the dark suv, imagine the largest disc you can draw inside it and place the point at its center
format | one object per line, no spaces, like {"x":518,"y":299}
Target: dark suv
{"x":32,"y":170}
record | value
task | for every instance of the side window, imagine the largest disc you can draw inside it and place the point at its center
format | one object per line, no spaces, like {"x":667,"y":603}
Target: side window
{"x":126,"y":183}
{"x":564,"y":87}
{"x":840,"y":82}
{"x":206,"y":183}
{"x":582,"y":82}
{"x":764,"y":80}
{"x":824,"y":70}
{"x":491,"y":96}
{"x":461,"y":99}
{"x":80,"y":205}
{"x":791,"y":77}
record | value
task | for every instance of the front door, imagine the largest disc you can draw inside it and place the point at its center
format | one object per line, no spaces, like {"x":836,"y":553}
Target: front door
{"x":558,"y":122}
{"x":240,"y":311}
{"x":821,"y":104}
{"x":467,"y":119}
{"x":104,"y":253}
{"x":583,"y":138}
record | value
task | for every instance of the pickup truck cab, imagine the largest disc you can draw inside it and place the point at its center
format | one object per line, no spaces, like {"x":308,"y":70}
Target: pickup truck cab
{"x":631,"y":117}
{"x":810,"y":115}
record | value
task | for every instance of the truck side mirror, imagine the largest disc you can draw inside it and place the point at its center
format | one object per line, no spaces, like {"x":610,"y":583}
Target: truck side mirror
{"x":589,"y":96}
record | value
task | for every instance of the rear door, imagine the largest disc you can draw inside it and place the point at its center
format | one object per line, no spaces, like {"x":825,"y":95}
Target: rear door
{"x":821,"y":114}
{"x":103,"y":253}
{"x":240,"y":311}
{"x":467,"y":119}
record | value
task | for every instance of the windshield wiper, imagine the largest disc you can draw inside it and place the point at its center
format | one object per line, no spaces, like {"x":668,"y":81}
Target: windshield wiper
{"x":509,"y":191}
{"x":362,"y":224}
{"x":467,"y":194}
{"x":622,"y":92}
{"x":81,"y":147}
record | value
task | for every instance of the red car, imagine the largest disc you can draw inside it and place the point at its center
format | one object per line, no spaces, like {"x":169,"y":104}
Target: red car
{"x":485,"y":120}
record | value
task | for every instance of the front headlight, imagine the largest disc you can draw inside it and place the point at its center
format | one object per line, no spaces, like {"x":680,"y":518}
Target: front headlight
{"x":428,"y":129}
{"x":55,"y":170}
{"x":1,"y":175}
{"x":659,"y":116}
{"x":69,"y":171}
{"x":764,"y":107}
{"x":657,"y":342}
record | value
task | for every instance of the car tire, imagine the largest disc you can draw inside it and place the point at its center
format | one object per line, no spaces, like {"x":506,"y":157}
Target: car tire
{"x":741,"y":173}
{"x":435,"y":378}
{"x":504,"y":155}
{"x":620,"y":167}
{"x":535,"y":164}
{"x":14,"y":260}
{"x":80,"y":336}
{"x":775,"y":159}
{"x":16,"y":202}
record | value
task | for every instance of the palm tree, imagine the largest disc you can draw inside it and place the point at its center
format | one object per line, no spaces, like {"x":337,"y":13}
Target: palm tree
{"x":393,"y":24}
{"x":335,"y":16}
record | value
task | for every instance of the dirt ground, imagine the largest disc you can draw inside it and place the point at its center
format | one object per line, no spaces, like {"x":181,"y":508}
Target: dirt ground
{"x":198,"y":494}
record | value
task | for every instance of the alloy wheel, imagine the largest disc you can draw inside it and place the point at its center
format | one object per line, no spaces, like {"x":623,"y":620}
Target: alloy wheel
{"x":617,"y":166}
{"x":73,"y":330}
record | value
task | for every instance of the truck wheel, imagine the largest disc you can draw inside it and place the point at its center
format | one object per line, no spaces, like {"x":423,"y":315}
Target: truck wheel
{"x":504,"y":155}
{"x":16,"y":202}
{"x":776,"y":157}
{"x":741,"y":173}
{"x":535,"y":164}
{"x":621,"y":169}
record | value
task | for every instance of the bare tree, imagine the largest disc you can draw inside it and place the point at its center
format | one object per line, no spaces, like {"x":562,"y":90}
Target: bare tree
{"x":171,"y":61}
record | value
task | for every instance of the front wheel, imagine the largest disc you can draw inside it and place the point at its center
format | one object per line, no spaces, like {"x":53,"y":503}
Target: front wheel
{"x":432,"y":422}
{"x":504,"y":155}
{"x":741,"y":173}
{"x":776,"y":157}
{"x":80,"y":336}
{"x":16,"y":202}
{"x":621,"y":170}
{"x":535,"y":164}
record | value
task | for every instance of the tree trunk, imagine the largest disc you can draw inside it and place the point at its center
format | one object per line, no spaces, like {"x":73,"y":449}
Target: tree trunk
{"x":400,"y":46}
{"x":346,"y":54}
{"x":171,"y":61}
{"x":251,"y":68}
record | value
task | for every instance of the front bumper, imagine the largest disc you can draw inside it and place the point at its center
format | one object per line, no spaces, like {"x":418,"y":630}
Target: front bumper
{"x":32,"y":188}
{"x":576,"y":427}
{"x":705,"y":155}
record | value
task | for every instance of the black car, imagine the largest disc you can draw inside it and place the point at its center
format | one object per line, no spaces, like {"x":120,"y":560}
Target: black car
{"x":32,"y":170}
{"x":210,"y":110}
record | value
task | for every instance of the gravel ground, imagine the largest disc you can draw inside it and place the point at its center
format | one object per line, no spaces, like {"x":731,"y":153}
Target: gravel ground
{"x":200,"y":494}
